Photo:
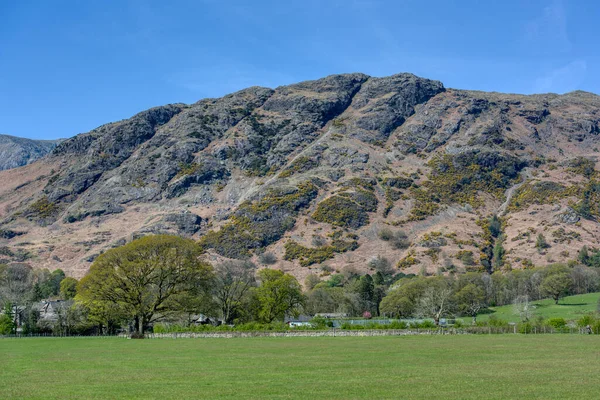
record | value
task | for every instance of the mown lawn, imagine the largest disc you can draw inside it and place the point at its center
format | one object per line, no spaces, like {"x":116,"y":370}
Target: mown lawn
{"x":459,"y":367}
{"x":570,"y":308}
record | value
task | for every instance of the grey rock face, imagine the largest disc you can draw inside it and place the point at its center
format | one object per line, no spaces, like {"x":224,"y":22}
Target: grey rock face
{"x":386,"y":103}
{"x":568,"y":217}
{"x":16,"y":152}
{"x":343,"y":156}
{"x":9,"y":234}
{"x":183,"y":223}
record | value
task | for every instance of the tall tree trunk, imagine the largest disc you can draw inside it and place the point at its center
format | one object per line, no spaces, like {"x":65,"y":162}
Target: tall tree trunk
{"x":141,"y":326}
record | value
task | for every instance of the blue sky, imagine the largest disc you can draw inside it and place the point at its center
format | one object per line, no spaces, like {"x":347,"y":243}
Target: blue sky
{"x":68,"y":66}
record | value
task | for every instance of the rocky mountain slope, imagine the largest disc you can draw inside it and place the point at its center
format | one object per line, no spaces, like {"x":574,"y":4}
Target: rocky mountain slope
{"x":16,"y":152}
{"x":323,"y":175}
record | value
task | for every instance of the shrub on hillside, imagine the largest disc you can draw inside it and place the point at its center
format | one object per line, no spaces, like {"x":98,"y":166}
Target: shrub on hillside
{"x":400,"y":241}
{"x":386,"y":234}
{"x":267,"y":258}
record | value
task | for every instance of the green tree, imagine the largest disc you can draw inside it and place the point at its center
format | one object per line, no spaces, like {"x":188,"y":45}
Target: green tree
{"x":401,"y":301}
{"x":584,"y":256}
{"x":7,"y":325}
{"x":495,"y":226}
{"x":50,"y":286}
{"x":498,"y":253}
{"x":233,"y":281}
{"x":319,"y":300}
{"x":311,"y":281}
{"x":470,"y":300}
{"x":366,"y":291}
{"x":146,"y":279}
{"x":556,"y":285}
{"x":68,"y":288}
{"x":278,"y":294}
{"x":106,"y":316}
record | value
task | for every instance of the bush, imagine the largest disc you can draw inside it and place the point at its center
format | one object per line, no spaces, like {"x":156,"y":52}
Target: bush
{"x":400,"y":241}
{"x":427,"y":324}
{"x":341,"y":211}
{"x":318,"y":241}
{"x":350,"y":207}
{"x":316,"y":255}
{"x":267,"y":258}
{"x":7,"y":326}
{"x":586,"y":320}
{"x":526,"y":328}
{"x":466,"y":256}
{"x":398,"y":325}
{"x":408,"y":261}
{"x":496,"y":322}
{"x":349,"y":326}
{"x":381,"y":264}
{"x":43,"y":208}
{"x":557,"y":323}
{"x":541,"y":242}
{"x":386,"y":234}
{"x":321,"y":322}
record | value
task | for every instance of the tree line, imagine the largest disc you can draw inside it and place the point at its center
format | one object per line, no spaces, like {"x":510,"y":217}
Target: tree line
{"x":164,"y":278}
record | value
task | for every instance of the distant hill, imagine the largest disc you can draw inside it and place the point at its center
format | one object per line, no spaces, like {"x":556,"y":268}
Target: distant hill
{"x":16,"y":152}
{"x":324,"y":175}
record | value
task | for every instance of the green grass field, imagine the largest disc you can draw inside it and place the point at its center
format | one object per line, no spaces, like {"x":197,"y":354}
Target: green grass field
{"x":462,"y":367}
{"x":570,"y":308}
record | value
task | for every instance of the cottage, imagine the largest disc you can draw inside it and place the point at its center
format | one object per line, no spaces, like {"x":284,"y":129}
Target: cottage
{"x":49,"y":309}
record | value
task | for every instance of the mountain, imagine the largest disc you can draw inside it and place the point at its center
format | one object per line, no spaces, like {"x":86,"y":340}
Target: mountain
{"x":321,"y":176}
{"x":16,"y":152}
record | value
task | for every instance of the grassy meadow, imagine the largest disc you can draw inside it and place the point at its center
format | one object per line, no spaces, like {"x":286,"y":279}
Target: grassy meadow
{"x":418,"y":367}
{"x":570,"y":308}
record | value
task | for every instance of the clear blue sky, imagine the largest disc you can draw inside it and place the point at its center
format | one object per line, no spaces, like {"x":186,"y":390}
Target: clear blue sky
{"x":69,"y":66}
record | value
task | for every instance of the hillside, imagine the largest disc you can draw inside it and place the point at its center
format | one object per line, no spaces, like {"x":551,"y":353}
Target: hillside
{"x":313,"y":174}
{"x":16,"y":152}
{"x":571,"y":308}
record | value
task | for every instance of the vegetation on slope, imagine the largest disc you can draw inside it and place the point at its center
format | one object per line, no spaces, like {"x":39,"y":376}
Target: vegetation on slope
{"x":459,"y":178}
{"x":350,"y":207}
{"x":257,"y":224}
{"x":315,"y":255}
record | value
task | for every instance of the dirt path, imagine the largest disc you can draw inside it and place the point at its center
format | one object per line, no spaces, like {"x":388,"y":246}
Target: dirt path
{"x":525,"y":175}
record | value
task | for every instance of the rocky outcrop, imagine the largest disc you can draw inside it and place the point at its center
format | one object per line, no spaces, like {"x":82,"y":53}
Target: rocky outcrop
{"x":319,"y":168}
{"x":16,"y":152}
{"x":182,"y":224}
